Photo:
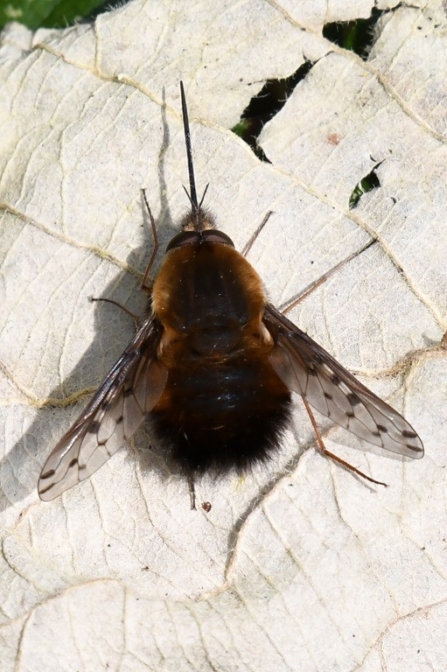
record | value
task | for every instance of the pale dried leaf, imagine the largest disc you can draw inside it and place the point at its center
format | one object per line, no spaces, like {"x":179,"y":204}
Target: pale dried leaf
{"x":299,"y":566}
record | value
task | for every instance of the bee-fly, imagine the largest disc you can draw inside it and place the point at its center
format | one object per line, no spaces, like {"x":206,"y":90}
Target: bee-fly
{"x":213,"y":366}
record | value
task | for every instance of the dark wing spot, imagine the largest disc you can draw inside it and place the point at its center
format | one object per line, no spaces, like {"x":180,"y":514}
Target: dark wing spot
{"x":128,"y":391}
{"x":328,"y":396}
{"x":353,"y":399}
{"x":312,"y":371}
{"x":350,"y":414}
{"x":94,"y":427}
{"x":73,"y":462}
{"x":408,"y":434}
{"x":335,"y":379}
{"x":48,"y":474}
{"x":382,"y":429}
{"x":415,"y":448}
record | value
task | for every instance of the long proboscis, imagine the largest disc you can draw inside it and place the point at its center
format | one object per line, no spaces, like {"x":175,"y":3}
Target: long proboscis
{"x":192,"y":181}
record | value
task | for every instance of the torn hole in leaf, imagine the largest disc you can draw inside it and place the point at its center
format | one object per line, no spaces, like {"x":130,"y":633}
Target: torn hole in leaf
{"x":368,"y":183}
{"x":357,"y":36}
{"x":59,"y":14}
{"x":265,"y":105}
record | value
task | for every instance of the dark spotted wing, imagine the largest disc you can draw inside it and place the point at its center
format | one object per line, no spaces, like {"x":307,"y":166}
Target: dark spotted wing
{"x":305,"y":367}
{"x":130,"y":391}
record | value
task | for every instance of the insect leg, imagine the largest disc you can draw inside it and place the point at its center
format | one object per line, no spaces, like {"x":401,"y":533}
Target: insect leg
{"x":192,"y":491}
{"x":146,"y":288}
{"x":325,"y":277}
{"x":249,"y":245}
{"x":135,"y":318}
{"x":333,"y":457}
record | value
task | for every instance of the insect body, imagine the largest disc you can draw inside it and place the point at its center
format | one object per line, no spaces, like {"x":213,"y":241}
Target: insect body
{"x":213,"y":367}
{"x":224,"y":404}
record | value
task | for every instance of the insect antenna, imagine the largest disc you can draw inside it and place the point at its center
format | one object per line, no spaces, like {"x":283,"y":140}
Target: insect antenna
{"x":192,"y":181}
{"x":204,"y":194}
